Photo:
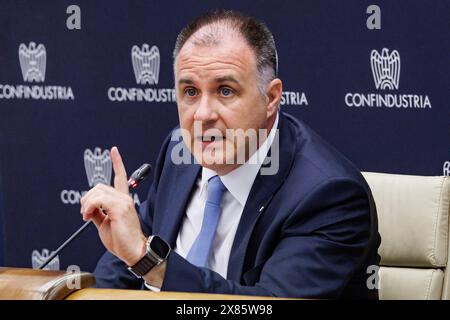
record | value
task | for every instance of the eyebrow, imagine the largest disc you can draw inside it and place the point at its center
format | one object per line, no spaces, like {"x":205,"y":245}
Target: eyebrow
{"x":225,"y":79}
{"x":185,"y":80}
{"x":218,"y":80}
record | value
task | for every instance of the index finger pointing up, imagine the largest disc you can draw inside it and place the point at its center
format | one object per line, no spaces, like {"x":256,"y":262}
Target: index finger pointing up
{"x":120,"y":174}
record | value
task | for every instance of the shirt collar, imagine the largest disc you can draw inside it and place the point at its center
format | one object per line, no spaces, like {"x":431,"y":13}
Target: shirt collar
{"x":239,"y":181}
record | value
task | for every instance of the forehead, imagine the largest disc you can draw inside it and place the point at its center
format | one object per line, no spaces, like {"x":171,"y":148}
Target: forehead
{"x":224,"y":52}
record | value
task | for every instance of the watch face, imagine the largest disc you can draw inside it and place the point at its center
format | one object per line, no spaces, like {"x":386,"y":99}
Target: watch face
{"x":159,"y":246}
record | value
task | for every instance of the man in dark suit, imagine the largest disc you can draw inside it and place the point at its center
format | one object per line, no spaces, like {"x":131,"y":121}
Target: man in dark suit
{"x":278,"y":214}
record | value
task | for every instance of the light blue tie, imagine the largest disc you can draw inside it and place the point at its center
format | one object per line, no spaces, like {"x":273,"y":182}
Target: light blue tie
{"x":201,"y":249}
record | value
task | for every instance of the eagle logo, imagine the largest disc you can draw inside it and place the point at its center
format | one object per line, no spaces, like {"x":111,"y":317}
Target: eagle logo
{"x":33,"y":60}
{"x":145,"y":64}
{"x":98,"y":166}
{"x":37,"y":259}
{"x":385,"y":69}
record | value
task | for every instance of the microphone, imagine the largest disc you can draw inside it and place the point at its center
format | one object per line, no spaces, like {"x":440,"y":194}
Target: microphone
{"x":135,"y":179}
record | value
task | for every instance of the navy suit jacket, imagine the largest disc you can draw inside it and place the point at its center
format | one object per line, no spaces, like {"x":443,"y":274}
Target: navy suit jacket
{"x":314,"y":237}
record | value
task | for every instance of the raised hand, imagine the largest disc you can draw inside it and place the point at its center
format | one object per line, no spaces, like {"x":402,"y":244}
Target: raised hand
{"x":113,"y":212}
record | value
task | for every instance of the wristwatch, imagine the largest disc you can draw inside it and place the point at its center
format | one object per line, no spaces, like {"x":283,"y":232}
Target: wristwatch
{"x":157,"y":251}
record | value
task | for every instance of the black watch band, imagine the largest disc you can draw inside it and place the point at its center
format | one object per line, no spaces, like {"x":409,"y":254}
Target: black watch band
{"x":143,"y":266}
{"x":157,"y":251}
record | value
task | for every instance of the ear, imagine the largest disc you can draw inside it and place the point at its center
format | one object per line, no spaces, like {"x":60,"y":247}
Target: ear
{"x":273,"y":97}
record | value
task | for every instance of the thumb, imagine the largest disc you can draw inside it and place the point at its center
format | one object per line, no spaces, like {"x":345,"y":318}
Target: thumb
{"x":120,"y":174}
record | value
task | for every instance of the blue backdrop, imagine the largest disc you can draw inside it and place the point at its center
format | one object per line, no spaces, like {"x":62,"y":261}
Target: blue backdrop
{"x":67,"y":95}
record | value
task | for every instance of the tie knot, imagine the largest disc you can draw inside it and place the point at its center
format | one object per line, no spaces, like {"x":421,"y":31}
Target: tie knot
{"x":215,"y":190}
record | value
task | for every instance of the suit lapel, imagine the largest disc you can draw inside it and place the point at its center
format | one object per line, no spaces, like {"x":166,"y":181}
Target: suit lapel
{"x":175,"y":200}
{"x":256,"y":201}
{"x":262,"y":192}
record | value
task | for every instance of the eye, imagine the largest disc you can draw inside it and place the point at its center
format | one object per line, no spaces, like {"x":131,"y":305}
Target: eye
{"x":191,"y":92}
{"x":225,"y":91}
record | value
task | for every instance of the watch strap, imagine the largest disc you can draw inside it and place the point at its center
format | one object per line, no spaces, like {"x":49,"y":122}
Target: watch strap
{"x":143,"y":266}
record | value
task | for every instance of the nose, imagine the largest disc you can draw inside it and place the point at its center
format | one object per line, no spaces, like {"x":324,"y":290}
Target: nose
{"x":205,"y":110}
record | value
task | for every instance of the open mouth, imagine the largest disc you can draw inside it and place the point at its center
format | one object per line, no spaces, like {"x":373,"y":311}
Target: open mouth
{"x":207,"y":140}
{"x":210,"y":138}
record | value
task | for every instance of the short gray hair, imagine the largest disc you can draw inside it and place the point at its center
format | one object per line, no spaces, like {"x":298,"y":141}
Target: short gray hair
{"x":255,"y":32}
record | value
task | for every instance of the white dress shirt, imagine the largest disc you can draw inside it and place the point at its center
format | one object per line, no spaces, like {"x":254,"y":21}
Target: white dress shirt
{"x":238,"y":183}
